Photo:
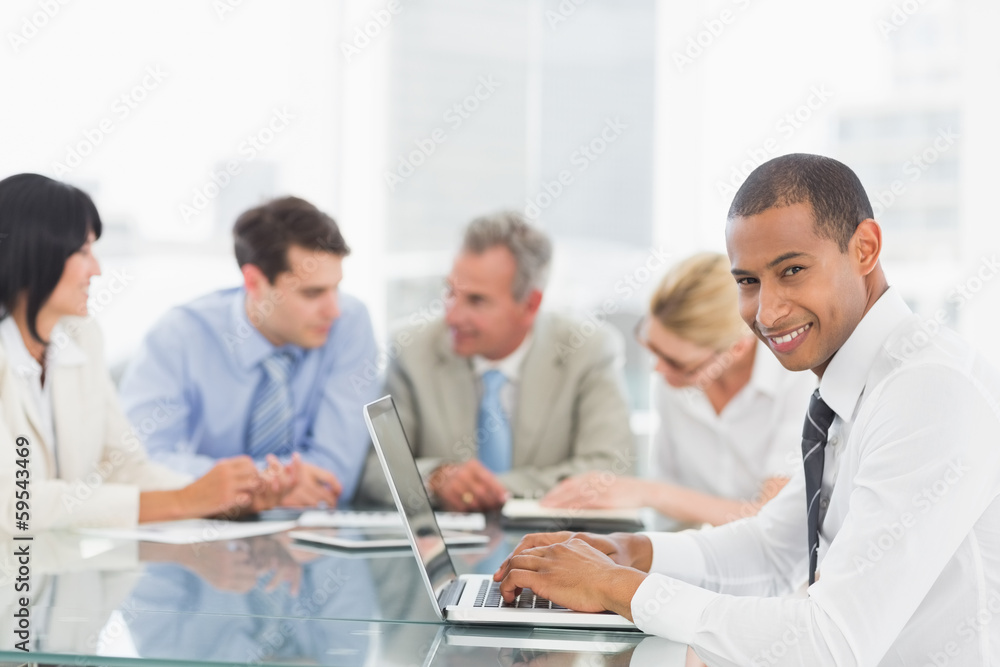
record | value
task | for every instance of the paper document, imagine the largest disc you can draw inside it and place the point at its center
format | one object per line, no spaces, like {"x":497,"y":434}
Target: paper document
{"x":522,"y":509}
{"x":191,"y":531}
{"x":382,"y":519}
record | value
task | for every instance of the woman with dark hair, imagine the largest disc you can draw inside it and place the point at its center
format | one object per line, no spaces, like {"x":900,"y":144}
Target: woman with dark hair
{"x":70,"y":457}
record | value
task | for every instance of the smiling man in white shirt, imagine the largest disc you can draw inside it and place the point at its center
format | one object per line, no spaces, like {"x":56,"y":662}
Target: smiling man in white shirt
{"x":908,"y":513}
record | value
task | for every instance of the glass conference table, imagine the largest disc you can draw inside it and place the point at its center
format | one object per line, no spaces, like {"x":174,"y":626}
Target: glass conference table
{"x":269,"y":600}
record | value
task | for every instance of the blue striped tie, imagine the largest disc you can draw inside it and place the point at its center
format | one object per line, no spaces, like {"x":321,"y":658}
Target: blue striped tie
{"x":270,"y":430}
{"x":492,"y":427}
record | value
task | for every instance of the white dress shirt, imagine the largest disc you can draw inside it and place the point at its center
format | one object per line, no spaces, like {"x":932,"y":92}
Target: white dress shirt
{"x":510,"y":367}
{"x":757,"y":435}
{"x":909,"y":558}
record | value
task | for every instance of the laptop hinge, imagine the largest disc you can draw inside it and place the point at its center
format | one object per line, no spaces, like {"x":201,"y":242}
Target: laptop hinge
{"x":451,"y":594}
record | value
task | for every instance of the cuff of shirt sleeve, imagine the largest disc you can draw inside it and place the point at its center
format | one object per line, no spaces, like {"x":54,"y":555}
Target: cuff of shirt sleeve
{"x":658,"y":651}
{"x":110,"y":506}
{"x":669,"y":608}
{"x":677,"y":555}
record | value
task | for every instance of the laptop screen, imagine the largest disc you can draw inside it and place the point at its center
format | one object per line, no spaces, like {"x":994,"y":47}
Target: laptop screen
{"x":410,"y":495}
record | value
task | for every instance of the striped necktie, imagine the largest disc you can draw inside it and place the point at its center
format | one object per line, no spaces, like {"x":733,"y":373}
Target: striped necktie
{"x":492,"y":427}
{"x":814,"y":437}
{"x":270,"y":430}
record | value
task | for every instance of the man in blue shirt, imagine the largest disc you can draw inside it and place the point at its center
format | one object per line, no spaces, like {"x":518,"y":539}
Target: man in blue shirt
{"x":265,"y":368}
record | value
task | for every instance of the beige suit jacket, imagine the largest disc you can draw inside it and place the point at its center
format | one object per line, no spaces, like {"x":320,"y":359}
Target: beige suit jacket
{"x":571,"y":414}
{"x":102,"y":463}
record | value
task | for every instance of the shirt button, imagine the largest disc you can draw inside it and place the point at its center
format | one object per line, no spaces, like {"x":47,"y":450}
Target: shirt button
{"x":824,"y":503}
{"x":834,"y":440}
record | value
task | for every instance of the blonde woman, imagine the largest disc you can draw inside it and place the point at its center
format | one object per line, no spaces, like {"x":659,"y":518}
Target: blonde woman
{"x":730,"y":414}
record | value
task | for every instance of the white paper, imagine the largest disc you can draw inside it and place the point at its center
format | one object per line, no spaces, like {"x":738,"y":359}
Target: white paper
{"x":192,"y":531}
{"x":522,"y":508}
{"x":380,"y":519}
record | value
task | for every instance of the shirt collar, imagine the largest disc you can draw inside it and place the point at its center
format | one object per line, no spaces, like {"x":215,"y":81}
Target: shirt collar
{"x":844,"y":378}
{"x":510,"y":365}
{"x":62,"y":350}
{"x":249,"y":345}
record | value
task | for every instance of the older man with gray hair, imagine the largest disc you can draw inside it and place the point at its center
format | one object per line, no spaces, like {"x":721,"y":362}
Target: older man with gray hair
{"x":500,"y":399}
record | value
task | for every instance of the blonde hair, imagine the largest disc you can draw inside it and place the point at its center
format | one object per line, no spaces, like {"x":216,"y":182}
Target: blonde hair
{"x":697,"y":300}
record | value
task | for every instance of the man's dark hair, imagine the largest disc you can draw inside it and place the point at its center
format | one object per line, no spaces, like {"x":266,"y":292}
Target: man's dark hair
{"x":839,"y":201}
{"x":42,"y":223}
{"x":262,"y":235}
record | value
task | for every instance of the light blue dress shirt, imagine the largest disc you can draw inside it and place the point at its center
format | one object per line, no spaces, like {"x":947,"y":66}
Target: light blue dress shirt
{"x":189,"y":390}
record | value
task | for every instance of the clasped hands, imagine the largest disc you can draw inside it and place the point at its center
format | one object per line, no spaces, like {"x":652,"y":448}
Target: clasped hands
{"x":236,"y":486}
{"x":580,"y":571}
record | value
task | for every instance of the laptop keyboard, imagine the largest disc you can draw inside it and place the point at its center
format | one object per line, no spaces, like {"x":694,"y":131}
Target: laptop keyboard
{"x":489,"y":596}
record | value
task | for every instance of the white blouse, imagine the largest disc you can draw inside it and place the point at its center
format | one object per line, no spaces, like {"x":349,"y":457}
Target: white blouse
{"x":757,"y":436}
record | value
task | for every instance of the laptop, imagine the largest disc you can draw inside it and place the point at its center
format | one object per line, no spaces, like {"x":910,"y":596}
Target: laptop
{"x":471,"y":598}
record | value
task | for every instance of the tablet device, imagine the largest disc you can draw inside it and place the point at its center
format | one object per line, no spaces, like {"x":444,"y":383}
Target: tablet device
{"x":376,"y":538}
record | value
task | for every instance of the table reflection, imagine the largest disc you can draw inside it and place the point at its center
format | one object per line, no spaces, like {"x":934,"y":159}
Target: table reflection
{"x":261,"y":586}
{"x":539,"y":647}
{"x":267,"y":600}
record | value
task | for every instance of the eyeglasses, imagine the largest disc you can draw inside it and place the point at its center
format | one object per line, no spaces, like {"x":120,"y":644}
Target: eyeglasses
{"x":687,"y":370}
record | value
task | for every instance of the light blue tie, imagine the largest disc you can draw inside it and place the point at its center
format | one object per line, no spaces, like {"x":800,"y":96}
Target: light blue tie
{"x":270,"y":430}
{"x":492,"y":427}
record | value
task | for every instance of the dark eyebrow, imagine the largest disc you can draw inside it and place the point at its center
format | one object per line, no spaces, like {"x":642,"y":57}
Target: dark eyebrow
{"x":773,"y":263}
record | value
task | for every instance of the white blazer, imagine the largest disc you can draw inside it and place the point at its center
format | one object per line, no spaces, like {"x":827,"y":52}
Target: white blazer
{"x":102,"y":463}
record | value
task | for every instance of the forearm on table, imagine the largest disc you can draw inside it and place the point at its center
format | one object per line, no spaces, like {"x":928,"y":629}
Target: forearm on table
{"x":529,"y":481}
{"x":163,"y":506}
{"x":691,"y":506}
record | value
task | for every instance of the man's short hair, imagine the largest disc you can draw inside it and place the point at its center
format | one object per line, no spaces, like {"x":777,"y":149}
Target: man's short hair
{"x":839,"y":201}
{"x":531,"y":248}
{"x":262,"y":235}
